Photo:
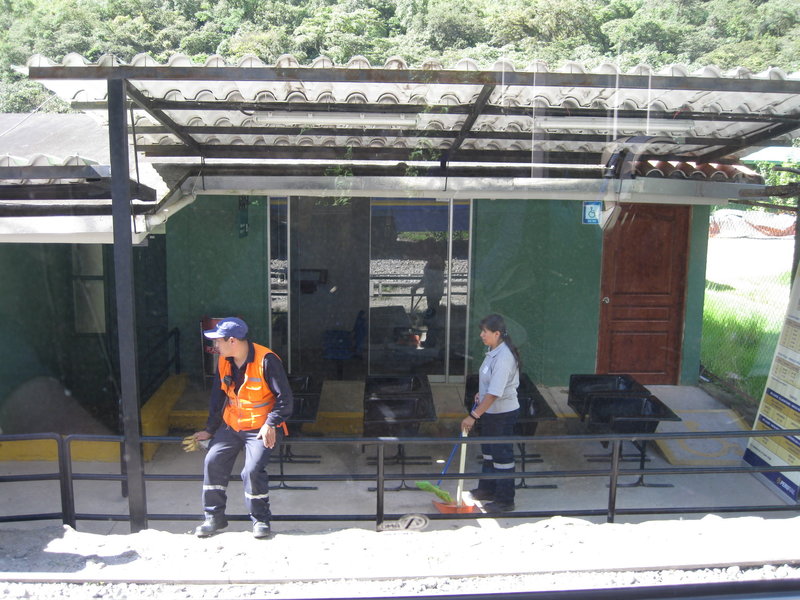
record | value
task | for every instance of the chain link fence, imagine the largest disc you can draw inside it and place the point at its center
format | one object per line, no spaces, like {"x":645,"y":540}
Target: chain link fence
{"x":748,"y":277}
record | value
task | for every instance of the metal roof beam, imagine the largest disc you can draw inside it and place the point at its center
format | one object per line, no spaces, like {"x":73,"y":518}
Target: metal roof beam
{"x":9,"y":209}
{"x":421,"y":76}
{"x":56,"y":172}
{"x":306,"y":131}
{"x":392,"y":170}
{"x":474,"y":113}
{"x":444,"y":109}
{"x":72,"y":191}
{"x":161,"y":117}
{"x":367,"y":153}
{"x":756,"y":139}
{"x":424,"y":133}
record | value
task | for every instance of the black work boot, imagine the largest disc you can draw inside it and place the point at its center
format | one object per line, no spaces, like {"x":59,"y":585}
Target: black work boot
{"x":211,"y":525}
{"x":499,"y":506}
{"x":482,"y":494}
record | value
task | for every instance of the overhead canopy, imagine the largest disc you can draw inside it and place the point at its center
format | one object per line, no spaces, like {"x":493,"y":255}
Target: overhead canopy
{"x":431,"y":131}
{"x":463,"y":120}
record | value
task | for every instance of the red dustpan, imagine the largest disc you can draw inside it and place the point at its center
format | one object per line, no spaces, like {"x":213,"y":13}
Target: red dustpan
{"x":458,"y":506}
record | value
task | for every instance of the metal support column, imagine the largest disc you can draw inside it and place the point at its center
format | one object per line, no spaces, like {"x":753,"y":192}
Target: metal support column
{"x":126,"y":316}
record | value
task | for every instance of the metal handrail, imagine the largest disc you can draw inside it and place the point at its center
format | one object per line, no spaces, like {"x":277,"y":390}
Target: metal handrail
{"x":613,"y":472}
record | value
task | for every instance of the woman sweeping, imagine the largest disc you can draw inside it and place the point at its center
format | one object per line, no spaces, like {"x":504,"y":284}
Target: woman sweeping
{"x":496,"y":407}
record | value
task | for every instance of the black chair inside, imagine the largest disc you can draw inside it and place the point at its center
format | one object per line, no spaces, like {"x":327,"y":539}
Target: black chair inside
{"x":392,"y":416}
{"x":306,"y":393}
{"x":395,"y":384}
{"x":306,"y":397}
{"x":627,"y":413}
{"x":581,"y":387}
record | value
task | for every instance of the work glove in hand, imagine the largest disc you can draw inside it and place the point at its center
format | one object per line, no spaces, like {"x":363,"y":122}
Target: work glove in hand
{"x":190,"y":444}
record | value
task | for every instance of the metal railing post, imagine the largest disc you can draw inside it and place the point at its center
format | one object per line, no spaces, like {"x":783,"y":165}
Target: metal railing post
{"x":379,"y":485}
{"x":616,"y":452}
{"x":65,"y":481}
{"x":67,"y":477}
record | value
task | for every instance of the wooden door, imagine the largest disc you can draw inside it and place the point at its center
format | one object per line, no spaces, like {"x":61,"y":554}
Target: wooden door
{"x":642,"y":293}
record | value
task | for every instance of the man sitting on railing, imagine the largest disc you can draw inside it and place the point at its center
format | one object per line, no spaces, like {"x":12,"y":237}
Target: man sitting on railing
{"x":250,"y":399}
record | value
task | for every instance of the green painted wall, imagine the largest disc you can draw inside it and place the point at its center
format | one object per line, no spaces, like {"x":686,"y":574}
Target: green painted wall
{"x":695,"y":294}
{"x":539,"y":267}
{"x":35,"y":293}
{"x":37,"y":299}
{"x":213,"y":271}
{"x":534,"y":262}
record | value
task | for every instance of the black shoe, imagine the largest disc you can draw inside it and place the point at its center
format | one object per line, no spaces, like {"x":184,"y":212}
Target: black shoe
{"x":498,"y":507}
{"x":211,"y":526}
{"x":481,"y":494}
{"x":261,"y":530}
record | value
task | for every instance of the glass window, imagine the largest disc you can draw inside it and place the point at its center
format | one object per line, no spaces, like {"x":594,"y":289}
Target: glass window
{"x":88,"y":288}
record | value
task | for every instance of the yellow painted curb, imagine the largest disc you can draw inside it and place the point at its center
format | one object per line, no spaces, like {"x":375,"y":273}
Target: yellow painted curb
{"x":715,"y":451}
{"x":343,"y":423}
{"x":46,"y":450}
{"x":156,"y":411}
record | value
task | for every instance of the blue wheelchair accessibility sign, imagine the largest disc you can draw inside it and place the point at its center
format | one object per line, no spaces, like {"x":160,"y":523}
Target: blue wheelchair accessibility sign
{"x":591,"y":212}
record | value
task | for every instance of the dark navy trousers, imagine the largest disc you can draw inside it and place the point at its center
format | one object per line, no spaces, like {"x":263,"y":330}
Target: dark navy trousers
{"x":498,"y":458}
{"x":222,"y":453}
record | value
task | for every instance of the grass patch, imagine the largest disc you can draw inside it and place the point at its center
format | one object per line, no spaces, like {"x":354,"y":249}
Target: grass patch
{"x":741,"y":329}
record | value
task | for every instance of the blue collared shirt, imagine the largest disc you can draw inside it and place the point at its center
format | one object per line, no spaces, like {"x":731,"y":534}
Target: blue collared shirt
{"x":499,"y":376}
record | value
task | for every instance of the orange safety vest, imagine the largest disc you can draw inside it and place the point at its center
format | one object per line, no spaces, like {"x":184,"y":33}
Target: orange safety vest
{"x":247,"y":409}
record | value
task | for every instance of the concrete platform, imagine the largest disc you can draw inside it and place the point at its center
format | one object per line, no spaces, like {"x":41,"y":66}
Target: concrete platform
{"x":354,"y":497}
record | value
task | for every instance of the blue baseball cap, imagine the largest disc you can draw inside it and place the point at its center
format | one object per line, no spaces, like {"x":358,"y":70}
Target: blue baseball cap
{"x":228,"y":327}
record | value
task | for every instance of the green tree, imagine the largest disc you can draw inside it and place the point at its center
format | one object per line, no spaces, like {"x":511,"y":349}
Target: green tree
{"x":309,"y":36}
{"x":778,"y":18}
{"x":756,"y":55}
{"x":545,"y":21}
{"x":657,"y":26}
{"x":454,"y":24}
{"x":354,"y":32}
{"x":204,"y":41}
{"x":266,"y":45}
{"x":730,"y":19}
{"x":55,"y":29}
{"x":19,"y":95}
{"x":753,"y":33}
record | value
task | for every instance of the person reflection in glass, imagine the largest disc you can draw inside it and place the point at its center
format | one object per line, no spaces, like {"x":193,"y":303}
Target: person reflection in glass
{"x":433,"y":283}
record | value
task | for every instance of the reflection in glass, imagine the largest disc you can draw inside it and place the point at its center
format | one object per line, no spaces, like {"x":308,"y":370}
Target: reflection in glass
{"x":279,"y":276}
{"x":416,"y":286}
{"x":88,"y":288}
{"x":328,"y":283}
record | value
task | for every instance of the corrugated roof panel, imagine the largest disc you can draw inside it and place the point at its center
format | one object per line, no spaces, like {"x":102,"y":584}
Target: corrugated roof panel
{"x":571,"y":114}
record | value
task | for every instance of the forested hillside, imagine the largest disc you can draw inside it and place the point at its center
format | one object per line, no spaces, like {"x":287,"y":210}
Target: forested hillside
{"x":755,"y":34}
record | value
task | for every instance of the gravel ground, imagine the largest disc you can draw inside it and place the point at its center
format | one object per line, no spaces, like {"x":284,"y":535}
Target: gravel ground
{"x":552,"y":554}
